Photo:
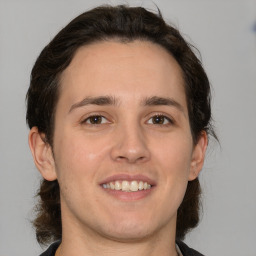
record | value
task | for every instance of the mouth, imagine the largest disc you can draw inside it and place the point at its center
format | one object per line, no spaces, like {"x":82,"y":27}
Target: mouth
{"x":128,"y":187}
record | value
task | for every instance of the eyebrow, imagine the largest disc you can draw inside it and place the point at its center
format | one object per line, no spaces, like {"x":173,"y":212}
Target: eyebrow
{"x":100,"y":101}
{"x":112,"y":101}
{"x":157,"y":101}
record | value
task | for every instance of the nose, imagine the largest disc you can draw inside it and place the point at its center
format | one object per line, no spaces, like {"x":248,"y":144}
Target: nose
{"x":130,"y":145}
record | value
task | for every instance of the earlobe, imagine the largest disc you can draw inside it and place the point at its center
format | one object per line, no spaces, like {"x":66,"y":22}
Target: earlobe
{"x":42,"y":154}
{"x":198,"y":156}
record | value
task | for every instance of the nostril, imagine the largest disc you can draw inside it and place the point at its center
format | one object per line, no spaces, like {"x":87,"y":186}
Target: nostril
{"x":121,"y":157}
{"x":131,"y":159}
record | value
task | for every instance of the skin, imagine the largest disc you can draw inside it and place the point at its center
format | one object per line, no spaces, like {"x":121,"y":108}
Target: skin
{"x":128,"y":140}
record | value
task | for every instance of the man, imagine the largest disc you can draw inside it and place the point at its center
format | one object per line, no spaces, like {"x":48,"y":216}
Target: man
{"x":119,"y":112}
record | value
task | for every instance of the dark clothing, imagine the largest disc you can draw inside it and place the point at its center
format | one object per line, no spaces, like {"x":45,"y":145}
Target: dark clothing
{"x":185,"y":250}
{"x":51,"y":250}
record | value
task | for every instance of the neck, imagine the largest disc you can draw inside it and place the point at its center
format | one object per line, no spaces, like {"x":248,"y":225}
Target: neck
{"x":121,"y":249}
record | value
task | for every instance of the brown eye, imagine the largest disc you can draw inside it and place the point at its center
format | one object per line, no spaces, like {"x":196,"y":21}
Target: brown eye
{"x":160,"y":120}
{"x":95,"y":120}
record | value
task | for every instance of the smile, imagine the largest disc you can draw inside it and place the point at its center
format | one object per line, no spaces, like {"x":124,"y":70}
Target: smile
{"x":127,"y":186}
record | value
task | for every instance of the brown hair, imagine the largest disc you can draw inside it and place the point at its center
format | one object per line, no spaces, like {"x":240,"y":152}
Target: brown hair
{"x":101,"y":24}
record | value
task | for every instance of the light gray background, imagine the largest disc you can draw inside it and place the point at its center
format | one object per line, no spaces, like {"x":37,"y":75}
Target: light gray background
{"x":224,"y":32}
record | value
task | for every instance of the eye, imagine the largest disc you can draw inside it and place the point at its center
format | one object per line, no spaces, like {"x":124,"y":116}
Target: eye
{"x":160,"y":120}
{"x":95,"y":119}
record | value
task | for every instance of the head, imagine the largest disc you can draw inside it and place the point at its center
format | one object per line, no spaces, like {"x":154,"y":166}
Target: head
{"x":123,"y":25}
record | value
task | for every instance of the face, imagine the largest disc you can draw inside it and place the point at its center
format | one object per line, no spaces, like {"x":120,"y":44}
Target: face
{"x":123,"y":149}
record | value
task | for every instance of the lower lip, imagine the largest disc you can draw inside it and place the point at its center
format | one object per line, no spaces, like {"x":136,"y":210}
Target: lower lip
{"x":129,"y":196}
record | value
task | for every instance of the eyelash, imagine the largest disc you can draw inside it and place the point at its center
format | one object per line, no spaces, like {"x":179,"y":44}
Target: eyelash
{"x":167,"y":121}
{"x":90,"y":118}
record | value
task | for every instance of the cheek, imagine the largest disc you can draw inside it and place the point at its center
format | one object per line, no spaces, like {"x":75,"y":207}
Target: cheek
{"x":174,"y":159}
{"x":174,"y":155}
{"x":79,"y":155}
{"x":77,"y":162}
{"x":69,"y":158}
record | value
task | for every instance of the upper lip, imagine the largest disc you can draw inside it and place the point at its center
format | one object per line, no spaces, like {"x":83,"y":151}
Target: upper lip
{"x":128,"y":177}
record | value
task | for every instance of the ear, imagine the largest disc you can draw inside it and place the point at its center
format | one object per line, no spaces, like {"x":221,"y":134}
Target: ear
{"x":198,"y":156}
{"x":42,"y":154}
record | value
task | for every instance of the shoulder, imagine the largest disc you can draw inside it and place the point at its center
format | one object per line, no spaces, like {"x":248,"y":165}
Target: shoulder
{"x":187,"y":251}
{"x":51,"y":250}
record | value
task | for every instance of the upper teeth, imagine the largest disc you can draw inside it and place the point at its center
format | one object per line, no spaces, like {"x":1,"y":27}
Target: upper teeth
{"x":127,"y":185}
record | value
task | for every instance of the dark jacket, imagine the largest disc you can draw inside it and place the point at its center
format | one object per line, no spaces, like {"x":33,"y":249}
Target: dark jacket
{"x":186,"y":251}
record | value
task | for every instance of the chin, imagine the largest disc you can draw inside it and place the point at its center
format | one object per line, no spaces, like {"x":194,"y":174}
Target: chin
{"x":128,"y":233}
{"x":129,"y":229}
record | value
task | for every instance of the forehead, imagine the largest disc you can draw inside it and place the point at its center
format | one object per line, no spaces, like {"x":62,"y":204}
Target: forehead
{"x":123,"y":69}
